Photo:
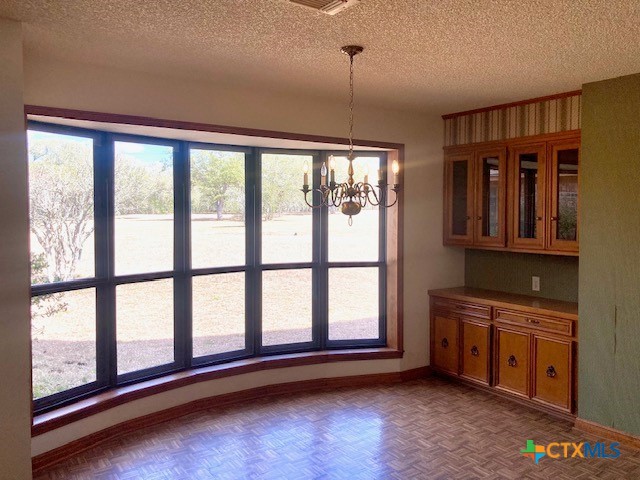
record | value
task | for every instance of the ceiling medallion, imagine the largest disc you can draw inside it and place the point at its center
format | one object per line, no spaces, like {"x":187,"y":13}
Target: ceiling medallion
{"x":351,"y":196}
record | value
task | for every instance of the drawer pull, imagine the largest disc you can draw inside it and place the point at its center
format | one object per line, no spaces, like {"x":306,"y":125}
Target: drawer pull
{"x":445,"y":342}
{"x":511,"y":361}
{"x":533,"y":320}
{"x":551,"y":372}
{"x":474,"y":351}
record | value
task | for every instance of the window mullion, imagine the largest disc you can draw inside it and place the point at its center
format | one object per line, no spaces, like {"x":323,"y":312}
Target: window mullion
{"x":320,"y":240}
{"x":105,"y":218}
{"x":252,"y":250}
{"x":257,"y":249}
{"x":182,"y":326}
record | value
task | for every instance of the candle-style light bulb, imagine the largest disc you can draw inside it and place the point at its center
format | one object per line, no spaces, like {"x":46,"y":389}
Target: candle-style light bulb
{"x":332,"y":168}
{"x":305,"y":170}
{"x":366,"y":179}
{"x":323,"y":174}
{"x":395,"y":167}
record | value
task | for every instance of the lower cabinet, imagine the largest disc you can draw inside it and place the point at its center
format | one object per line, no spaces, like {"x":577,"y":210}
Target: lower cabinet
{"x":512,"y":364}
{"x":476,"y":351}
{"x":530,"y":356}
{"x":553,"y":371}
{"x":445,"y":345}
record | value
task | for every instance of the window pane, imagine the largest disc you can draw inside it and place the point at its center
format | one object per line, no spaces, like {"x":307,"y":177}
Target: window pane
{"x":143,"y":208}
{"x":460,"y":215}
{"x":218,"y":314}
{"x":567,"y":178}
{"x":217,"y":208}
{"x":286,"y":306}
{"x":490,"y":196}
{"x":61,"y":207}
{"x":63,"y":341}
{"x":358,"y":242}
{"x":144,"y":325}
{"x":353,"y":303}
{"x":286,"y":219}
{"x":528,"y":191}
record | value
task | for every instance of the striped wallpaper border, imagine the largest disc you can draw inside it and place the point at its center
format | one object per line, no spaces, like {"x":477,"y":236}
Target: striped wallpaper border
{"x":520,"y":120}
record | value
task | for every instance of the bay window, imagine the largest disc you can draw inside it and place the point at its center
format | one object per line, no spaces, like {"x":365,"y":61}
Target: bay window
{"x":154,"y":255}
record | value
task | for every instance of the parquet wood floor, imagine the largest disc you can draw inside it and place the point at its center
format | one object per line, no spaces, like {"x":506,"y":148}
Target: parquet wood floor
{"x":426,"y":429}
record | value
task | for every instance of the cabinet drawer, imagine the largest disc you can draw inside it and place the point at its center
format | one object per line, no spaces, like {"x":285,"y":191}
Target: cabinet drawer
{"x":547,"y":324}
{"x":462,"y":308}
{"x":445,"y":344}
{"x":476,"y":351}
{"x":512,"y":361}
{"x":552,"y":383}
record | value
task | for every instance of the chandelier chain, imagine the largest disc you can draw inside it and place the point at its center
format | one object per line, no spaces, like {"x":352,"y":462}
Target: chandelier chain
{"x":350,"y":106}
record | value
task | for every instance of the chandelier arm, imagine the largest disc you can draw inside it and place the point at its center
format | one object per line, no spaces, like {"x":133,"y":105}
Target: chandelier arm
{"x":376,"y":200}
{"x":385,"y":205}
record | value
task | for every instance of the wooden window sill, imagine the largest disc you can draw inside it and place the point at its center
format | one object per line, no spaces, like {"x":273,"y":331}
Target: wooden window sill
{"x":103,"y":401}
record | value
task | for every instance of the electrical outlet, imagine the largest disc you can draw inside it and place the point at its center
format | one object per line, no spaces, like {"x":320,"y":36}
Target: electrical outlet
{"x":535,"y":284}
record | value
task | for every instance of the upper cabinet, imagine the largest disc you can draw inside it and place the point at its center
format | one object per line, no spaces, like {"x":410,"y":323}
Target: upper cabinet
{"x":459,"y":188}
{"x":490,"y":195}
{"x":528,"y":167}
{"x":515,"y":195}
{"x":562,"y":214}
{"x":475,"y":184}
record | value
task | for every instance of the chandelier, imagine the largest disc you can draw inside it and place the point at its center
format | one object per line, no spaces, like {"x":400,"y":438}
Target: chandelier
{"x":351,"y":196}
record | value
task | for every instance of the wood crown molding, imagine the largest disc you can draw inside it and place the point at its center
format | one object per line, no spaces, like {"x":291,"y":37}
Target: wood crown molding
{"x":200,"y":127}
{"x":513,"y":142}
{"x":513,"y":104}
{"x":57,"y":455}
{"x":595,"y":429}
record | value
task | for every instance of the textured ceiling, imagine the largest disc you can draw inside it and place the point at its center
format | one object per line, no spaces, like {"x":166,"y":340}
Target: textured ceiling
{"x":442,"y":55}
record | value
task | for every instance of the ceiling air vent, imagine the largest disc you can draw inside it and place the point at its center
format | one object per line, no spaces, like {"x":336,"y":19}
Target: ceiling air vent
{"x":330,"y":7}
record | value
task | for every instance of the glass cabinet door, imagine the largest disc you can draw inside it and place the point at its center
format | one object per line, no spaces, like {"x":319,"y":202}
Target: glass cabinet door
{"x":563,"y":215}
{"x":528,"y":186}
{"x":458,"y":228}
{"x":490,"y":197}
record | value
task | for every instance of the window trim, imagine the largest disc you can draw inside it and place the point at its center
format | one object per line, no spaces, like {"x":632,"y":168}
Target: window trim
{"x":393,"y":332}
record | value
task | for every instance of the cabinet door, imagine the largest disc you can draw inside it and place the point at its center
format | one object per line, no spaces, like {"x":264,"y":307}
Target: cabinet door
{"x":552,"y":372}
{"x":562,"y":224}
{"x":490,"y":208}
{"x":512,"y":361}
{"x":445,"y":344}
{"x":458,"y":199}
{"x":527,"y":190}
{"x":476,"y":351}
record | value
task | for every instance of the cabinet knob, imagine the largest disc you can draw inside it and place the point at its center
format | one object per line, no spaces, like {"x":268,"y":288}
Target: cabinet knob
{"x":551,"y":372}
{"x":511,"y":361}
{"x":474,"y":351}
{"x":468,"y":217}
{"x":479,"y":217}
{"x":554,"y":219}
{"x":539,"y":219}
{"x":445,"y":342}
{"x":533,"y":320}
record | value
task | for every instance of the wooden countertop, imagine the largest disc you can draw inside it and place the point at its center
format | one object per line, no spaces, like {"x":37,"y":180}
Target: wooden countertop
{"x":510,"y":300}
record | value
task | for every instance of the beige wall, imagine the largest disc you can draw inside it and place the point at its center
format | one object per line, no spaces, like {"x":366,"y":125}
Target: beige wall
{"x":427,"y":263}
{"x":15,"y":411}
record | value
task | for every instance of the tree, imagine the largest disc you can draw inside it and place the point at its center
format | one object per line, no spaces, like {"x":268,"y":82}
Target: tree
{"x":281,"y":184}
{"x":143,"y":188}
{"x":43,"y":305}
{"x":61,"y":204}
{"x":216,"y":177}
